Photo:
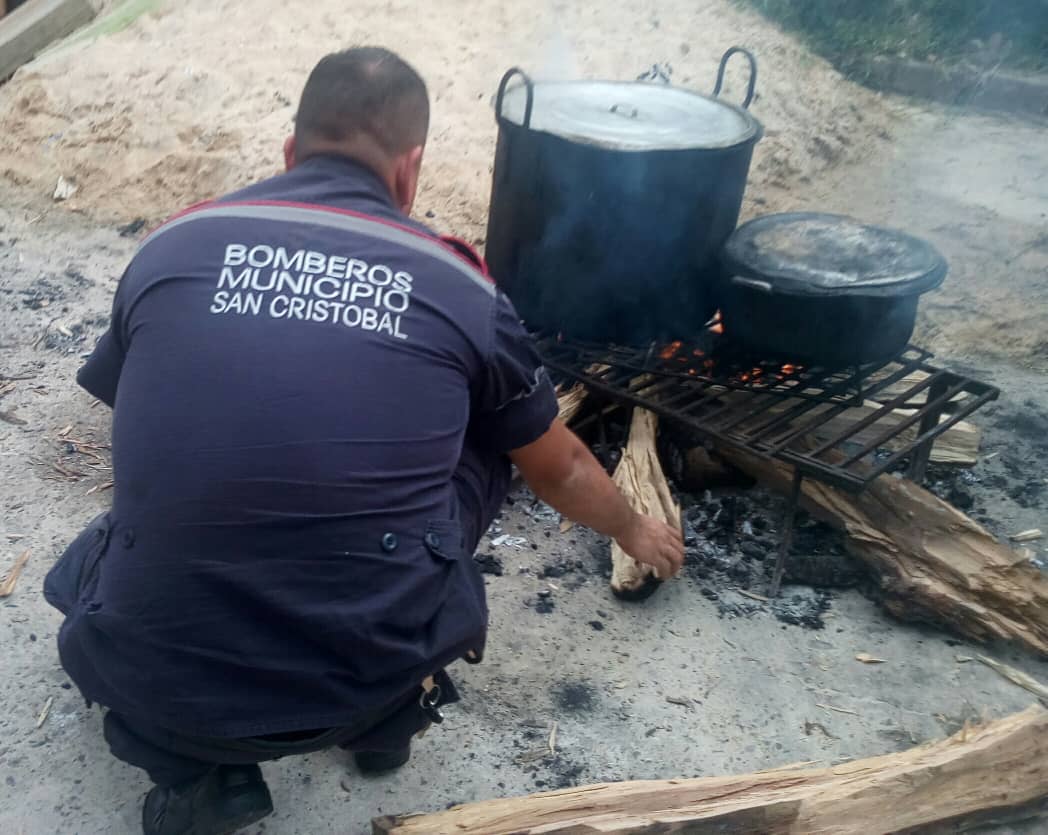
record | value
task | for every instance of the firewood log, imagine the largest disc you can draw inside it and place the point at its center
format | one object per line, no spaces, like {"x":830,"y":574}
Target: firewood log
{"x":640,"y":478}
{"x":569,"y":402}
{"x":997,"y":772}
{"x":932,"y":562}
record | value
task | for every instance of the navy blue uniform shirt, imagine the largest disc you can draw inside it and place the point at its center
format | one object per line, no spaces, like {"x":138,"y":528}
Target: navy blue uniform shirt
{"x":294,"y":370}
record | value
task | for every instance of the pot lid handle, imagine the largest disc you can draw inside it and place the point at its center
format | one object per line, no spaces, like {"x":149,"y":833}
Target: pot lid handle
{"x":755,"y":283}
{"x":529,"y":87}
{"x":720,"y":74}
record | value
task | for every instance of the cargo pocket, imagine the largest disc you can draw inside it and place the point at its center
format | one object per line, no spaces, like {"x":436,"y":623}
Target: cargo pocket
{"x":76,"y":572}
{"x":443,"y":540}
{"x":468,"y":610}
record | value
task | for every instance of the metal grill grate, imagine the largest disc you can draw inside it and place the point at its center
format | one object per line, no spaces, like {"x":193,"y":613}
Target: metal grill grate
{"x":785,"y":411}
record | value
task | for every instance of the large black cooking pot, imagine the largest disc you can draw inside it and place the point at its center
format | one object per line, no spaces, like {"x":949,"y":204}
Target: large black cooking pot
{"x":824,"y":289}
{"x":610,"y":201}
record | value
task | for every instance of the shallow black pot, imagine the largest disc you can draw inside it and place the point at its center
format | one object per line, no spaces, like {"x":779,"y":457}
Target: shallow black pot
{"x":823,"y":289}
{"x":831,"y":332}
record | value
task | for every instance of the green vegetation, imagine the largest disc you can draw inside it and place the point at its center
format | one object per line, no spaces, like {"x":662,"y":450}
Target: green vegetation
{"x":1010,"y":33}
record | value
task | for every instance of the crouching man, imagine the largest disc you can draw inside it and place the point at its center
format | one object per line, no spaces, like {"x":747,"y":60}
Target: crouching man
{"x":316,"y":402}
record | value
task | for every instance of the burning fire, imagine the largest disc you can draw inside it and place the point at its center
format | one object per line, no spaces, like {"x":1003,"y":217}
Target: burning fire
{"x":696,"y":363}
{"x":671,"y":350}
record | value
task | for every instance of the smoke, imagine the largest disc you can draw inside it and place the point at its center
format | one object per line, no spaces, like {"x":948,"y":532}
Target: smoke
{"x":557,"y":60}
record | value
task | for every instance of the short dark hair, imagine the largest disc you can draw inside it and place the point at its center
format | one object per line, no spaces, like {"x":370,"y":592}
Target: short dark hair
{"x":365,"y":89}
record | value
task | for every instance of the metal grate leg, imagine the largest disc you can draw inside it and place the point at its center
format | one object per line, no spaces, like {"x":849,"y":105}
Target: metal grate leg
{"x":919,"y":460}
{"x":787,"y":534}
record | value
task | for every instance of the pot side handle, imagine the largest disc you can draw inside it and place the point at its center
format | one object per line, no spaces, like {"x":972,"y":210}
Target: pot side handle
{"x":723,"y":65}
{"x":529,"y":87}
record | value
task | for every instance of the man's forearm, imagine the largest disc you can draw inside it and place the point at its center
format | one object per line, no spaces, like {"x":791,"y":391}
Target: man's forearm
{"x":562,"y":472}
{"x":586,"y":495}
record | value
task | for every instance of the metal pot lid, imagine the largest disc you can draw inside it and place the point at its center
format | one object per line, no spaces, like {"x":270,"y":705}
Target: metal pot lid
{"x":630,"y":115}
{"x":811,"y":253}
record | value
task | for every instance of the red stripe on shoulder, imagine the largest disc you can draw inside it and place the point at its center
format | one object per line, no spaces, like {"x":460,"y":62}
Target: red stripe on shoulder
{"x":452,"y":244}
{"x":469,"y":253}
{"x":456,"y":246}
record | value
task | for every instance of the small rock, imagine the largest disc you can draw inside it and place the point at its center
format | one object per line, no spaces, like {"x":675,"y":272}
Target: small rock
{"x":960,"y":498}
{"x":130,"y":230}
{"x":596,"y":625}
{"x":544,"y":605}
{"x":64,"y":189}
{"x":489,"y":564}
{"x":753,"y":551}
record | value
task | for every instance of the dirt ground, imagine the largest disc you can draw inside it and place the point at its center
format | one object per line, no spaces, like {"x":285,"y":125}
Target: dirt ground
{"x":195,"y":99}
{"x":977,"y":188}
{"x":748,"y":691}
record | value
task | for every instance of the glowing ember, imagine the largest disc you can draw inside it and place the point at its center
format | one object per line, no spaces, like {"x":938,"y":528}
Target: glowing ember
{"x":670,"y":350}
{"x":717,"y":328}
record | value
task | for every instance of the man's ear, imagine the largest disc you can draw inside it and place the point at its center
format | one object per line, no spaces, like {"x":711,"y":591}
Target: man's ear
{"x":289,"y":152}
{"x":405,"y":178}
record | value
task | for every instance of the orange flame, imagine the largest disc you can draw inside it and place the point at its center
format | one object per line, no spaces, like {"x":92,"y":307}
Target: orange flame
{"x":671,"y":349}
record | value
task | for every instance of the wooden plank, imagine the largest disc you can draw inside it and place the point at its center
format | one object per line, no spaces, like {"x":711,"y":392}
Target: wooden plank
{"x":116,"y":19}
{"x":957,"y":445}
{"x":932,"y":562}
{"x":995,"y":772}
{"x":33,"y":26}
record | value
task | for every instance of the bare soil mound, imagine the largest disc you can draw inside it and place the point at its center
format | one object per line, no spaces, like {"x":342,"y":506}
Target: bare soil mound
{"x":194,"y":100}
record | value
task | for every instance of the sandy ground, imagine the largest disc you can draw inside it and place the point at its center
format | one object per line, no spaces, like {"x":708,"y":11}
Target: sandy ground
{"x":178,"y":107}
{"x":196,"y":99}
{"x":977,"y":188}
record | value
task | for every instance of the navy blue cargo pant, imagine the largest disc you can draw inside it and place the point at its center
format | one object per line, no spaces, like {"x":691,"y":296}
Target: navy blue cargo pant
{"x":171,"y":758}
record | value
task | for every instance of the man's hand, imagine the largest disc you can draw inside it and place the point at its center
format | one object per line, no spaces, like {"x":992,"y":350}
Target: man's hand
{"x":652,"y":541}
{"x":563,"y":473}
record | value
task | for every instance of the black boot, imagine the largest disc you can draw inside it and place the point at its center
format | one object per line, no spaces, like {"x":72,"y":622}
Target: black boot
{"x":380,"y":762}
{"x":228,"y":798}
